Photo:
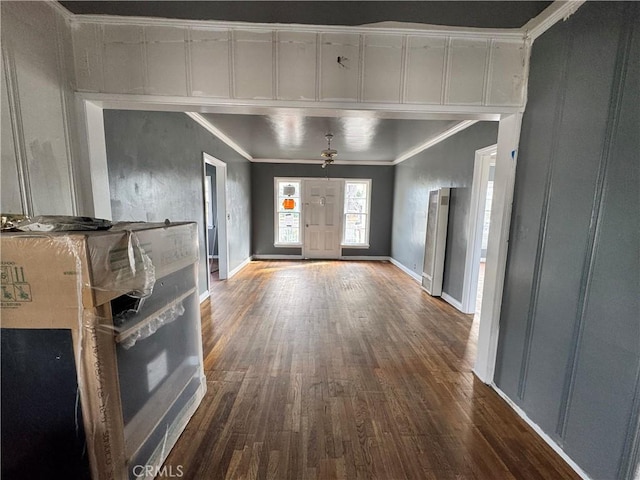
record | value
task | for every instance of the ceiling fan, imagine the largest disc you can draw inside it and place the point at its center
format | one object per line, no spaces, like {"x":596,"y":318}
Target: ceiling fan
{"x":329,"y":152}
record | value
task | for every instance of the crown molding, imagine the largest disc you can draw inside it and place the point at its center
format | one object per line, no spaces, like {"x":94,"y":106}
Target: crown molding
{"x":434,"y":141}
{"x":58,"y":7}
{"x":558,"y":10}
{"x":219,"y":134}
{"x":515,"y":34}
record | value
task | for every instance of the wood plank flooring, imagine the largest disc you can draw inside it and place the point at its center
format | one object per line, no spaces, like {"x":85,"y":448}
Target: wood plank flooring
{"x":347,"y":370}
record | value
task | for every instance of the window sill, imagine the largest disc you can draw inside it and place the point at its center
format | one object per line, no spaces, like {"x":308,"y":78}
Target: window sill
{"x":358,"y":245}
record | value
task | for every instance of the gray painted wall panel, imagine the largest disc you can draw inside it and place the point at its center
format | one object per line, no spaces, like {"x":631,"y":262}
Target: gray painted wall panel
{"x":155,"y":172}
{"x":576,"y":155}
{"x":529,"y":194}
{"x":262,"y":175}
{"x":447,"y":164}
{"x":608,"y":357}
{"x":575,"y":249}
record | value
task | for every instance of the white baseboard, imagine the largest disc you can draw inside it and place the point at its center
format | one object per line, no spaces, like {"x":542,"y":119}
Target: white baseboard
{"x":409,"y":272}
{"x":375,"y":258}
{"x":277,"y":257}
{"x":540,"y":432}
{"x":204,"y":296}
{"x":239,"y":267}
{"x":452,"y":301}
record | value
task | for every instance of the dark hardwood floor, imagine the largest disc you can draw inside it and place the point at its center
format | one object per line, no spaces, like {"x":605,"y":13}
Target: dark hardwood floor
{"x":348,"y":370}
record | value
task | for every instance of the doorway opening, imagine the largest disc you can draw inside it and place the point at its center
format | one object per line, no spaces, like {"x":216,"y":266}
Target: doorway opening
{"x":486,"y":222}
{"x":211,"y":216}
{"x":215,"y":214}
{"x":479,"y":224}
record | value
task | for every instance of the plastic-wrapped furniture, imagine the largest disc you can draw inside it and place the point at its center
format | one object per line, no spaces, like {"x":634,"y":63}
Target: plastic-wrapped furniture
{"x":101,"y":349}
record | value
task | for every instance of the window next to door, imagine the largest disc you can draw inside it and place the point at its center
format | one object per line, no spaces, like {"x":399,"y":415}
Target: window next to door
{"x":287,"y":228}
{"x":357,"y":202}
{"x":288,"y":212}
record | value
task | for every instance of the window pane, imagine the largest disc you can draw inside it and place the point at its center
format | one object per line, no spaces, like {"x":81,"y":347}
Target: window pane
{"x":354,"y":205}
{"x":288,"y":228}
{"x":355,"y":190}
{"x":296,"y":204}
{"x":282,"y":185}
{"x":355,"y":231}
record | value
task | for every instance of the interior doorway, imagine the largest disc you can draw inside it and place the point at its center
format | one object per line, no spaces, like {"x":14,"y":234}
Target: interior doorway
{"x":215,"y":214}
{"x":478,"y":231}
{"x":211,"y":214}
{"x":487,"y":199}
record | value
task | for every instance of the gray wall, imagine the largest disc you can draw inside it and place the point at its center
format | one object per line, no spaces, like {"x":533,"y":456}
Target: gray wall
{"x":156,"y":172}
{"x":485,"y":14}
{"x":448,"y":164}
{"x":569,"y":346}
{"x":262,"y":175}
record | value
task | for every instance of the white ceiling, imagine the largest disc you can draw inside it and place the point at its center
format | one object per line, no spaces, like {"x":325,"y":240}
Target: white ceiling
{"x":291,"y":136}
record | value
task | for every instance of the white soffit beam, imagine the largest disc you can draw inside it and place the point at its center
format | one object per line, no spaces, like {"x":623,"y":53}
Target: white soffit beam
{"x":434,"y":141}
{"x":219,"y":134}
{"x":558,"y":10}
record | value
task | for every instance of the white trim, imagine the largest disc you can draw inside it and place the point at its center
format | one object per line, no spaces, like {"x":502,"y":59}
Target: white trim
{"x":406,"y":270}
{"x":482,"y":163}
{"x":452,"y":301}
{"x":549,"y":441}
{"x":67,"y":99}
{"x":221,"y":210}
{"x":204,"y":296}
{"x":277,"y":257}
{"x":369,"y":258}
{"x":434,"y":141}
{"x":17,"y":131}
{"x":240,"y":267}
{"x":558,"y":10}
{"x":367,"y":182}
{"x":94,"y":151}
{"x":276,"y":224}
{"x":383,"y":28}
{"x":61,"y":10}
{"x":496,"y":264}
{"x":175,"y":103}
{"x":218,"y":133}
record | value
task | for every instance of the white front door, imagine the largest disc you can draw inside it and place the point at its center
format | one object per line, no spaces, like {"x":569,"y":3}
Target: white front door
{"x":322,"y":218}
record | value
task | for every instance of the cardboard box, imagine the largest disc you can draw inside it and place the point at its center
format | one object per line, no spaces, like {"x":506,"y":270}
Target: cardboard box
{"x":66,"y":281}
{"x":47,"y":278}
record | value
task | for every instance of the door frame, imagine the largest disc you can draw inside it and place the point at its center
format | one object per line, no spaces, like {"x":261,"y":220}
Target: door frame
{"x":222,"y":217}
{"x":496,"y":264}
{"x":93,"y":187}
{"x":481,"y":168}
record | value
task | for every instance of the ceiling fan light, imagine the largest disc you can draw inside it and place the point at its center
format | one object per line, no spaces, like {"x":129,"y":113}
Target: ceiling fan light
{"x":329,"y":152}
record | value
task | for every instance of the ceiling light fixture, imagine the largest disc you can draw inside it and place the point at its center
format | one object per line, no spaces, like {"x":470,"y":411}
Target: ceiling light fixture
{"x":329,"y":152}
